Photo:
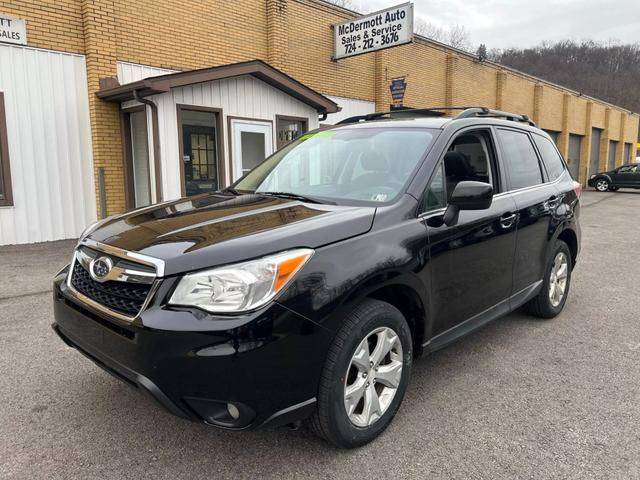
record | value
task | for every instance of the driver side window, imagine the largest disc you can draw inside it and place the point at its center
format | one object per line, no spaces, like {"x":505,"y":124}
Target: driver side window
{"x":470,"y":157}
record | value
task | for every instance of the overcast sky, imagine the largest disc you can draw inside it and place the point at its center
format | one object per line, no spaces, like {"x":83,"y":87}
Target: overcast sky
{"x":523,"y":23}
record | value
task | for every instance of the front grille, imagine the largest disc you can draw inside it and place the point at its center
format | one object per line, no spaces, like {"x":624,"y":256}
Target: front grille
{"x":122,"y":297}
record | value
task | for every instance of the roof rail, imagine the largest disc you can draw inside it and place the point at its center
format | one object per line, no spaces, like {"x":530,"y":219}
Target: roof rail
{"x":467,"y":112}
{"x":401,"y":112}
{"x":488,"y":112}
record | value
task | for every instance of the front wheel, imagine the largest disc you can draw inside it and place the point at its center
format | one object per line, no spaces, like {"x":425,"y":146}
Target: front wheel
{"x":365,"y":375}
{"x":555,"y":286}
{"x":602,"y":185}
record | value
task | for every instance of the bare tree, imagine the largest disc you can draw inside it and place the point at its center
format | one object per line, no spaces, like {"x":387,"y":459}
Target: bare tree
{"x":429,"y":30}
{"x":348,"y":4}
{"x":456,"y":36}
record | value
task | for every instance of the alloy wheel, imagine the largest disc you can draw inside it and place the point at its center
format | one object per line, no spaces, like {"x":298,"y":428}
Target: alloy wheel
{"x":373,"y":376}
{"x":558,"y":279}
{"x":602,"y":185}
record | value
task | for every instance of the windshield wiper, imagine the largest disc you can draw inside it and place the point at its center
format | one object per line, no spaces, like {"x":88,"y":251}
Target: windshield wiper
{"x":296,"y":196}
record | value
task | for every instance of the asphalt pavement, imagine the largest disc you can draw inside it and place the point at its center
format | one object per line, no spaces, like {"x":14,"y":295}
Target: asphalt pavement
{"x":522,"y":398}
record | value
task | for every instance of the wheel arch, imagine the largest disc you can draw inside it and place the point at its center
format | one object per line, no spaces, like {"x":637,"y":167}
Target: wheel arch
{"x":566,"y":233}
{"x":402,"y":292}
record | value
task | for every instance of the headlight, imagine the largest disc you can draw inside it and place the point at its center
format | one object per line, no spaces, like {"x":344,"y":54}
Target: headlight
{"x":592,"y":177}
{"x":240,"y":287}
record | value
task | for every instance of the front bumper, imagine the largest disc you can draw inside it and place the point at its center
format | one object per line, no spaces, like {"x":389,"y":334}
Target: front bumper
{"x":266,"y":365}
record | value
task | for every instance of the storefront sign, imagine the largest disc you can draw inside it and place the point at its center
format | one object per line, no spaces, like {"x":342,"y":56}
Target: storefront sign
{"x":384,"y":29}
{"x":13,"y":30}
{"x":397,"y":87}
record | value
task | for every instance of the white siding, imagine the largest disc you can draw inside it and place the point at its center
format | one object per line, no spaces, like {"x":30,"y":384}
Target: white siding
{"x":243,"y":96}
{"x":49,"y":136}
{"x":350,"y":107}
{"x":132,"y":72}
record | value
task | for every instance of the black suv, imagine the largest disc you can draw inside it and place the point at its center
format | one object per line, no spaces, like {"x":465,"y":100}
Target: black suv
{"x":625,"y":176}
{"x":307,"y":289}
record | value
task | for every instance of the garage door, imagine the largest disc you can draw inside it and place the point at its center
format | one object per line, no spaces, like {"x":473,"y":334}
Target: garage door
{"x":594,"y":162}
{"x":574,"y":155}
{"x":626,"y":154}
{"x":613,"y":150}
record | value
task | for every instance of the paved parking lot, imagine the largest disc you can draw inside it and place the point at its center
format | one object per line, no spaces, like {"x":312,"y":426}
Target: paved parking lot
{"x":522,"y":398}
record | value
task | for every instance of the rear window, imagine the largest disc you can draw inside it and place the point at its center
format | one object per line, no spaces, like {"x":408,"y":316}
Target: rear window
{"x":521,"y":159}
{"x":550,"y":156}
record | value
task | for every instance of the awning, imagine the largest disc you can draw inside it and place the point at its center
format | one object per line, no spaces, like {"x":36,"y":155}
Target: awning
{"x":256,"y":68}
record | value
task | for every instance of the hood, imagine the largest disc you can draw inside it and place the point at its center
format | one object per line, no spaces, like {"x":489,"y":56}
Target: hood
{"x":209,"y":230}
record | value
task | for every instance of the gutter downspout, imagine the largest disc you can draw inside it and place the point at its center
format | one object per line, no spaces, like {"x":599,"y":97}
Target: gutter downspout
{"x":156,"y":142}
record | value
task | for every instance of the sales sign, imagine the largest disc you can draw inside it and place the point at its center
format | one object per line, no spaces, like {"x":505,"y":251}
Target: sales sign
{"x":13,"y":30}
{"x":384,"y":29}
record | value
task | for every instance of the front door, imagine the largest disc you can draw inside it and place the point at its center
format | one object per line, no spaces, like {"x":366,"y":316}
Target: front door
{"x":199,"y":142}
{"x":137,"y":166}
{"x":252,"y":142}
{"x":472,"y":261}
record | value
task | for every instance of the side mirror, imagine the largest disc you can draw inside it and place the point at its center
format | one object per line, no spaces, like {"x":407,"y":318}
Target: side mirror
{"x":467,"y":196}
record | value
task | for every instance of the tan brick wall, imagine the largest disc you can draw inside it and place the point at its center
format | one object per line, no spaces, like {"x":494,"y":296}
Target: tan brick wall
{"x":190,"y":34}
{"x":551,"y":108}
{"x":474,"y":84}
{"x":100,"y":45}
{"x":426,"y":86}
{"x":295,"y":36}
{"x":51,"y":24}
{"x":310,"y":48}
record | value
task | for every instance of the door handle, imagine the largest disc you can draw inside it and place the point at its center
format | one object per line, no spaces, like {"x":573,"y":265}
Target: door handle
{"x":508,"y":219}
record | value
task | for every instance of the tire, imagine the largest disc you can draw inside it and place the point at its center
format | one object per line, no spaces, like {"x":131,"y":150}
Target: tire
{"x":546,"y":304}
{"x":602,"y":184}
{"x":373,"y":320}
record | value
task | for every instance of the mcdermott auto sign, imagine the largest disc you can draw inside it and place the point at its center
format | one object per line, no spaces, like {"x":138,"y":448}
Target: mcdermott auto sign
{"x":13,"y":30}
{"x":384,"y":29}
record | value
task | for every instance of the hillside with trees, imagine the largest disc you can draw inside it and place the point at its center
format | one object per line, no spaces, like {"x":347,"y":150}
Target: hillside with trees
{"x":606,"y":70}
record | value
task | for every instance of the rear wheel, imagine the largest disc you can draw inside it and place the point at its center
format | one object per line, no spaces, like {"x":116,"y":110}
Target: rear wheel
{"x":555,"y":287}
{"x":365,"y":376}
{"x":602,"y":185}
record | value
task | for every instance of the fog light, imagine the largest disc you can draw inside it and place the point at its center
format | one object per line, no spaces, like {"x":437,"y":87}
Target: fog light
{"x":233,"y":411}
{"x":222,"y":413}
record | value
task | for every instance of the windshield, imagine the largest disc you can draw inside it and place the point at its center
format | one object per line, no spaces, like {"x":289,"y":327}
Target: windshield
{"x":350,"y":164}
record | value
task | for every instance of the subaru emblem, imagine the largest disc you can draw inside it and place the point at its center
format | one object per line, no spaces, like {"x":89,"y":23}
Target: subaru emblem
{"x":100,"y":268}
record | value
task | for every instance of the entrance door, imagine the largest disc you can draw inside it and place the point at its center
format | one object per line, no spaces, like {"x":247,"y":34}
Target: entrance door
{"x":199,"y":150}
{"x":252,"y":142}
{"x":594,"y":164}
{"x":138,"y":175}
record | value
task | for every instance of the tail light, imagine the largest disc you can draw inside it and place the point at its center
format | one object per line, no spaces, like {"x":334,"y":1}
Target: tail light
{"x":577,"y":188}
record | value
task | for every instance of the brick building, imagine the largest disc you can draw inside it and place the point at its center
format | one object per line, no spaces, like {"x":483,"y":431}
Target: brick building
{"x":108,"y":100}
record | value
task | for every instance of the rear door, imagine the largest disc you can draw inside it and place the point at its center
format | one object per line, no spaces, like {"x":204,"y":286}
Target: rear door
{"x":471,"y":262}
{"x":535,"y":198}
